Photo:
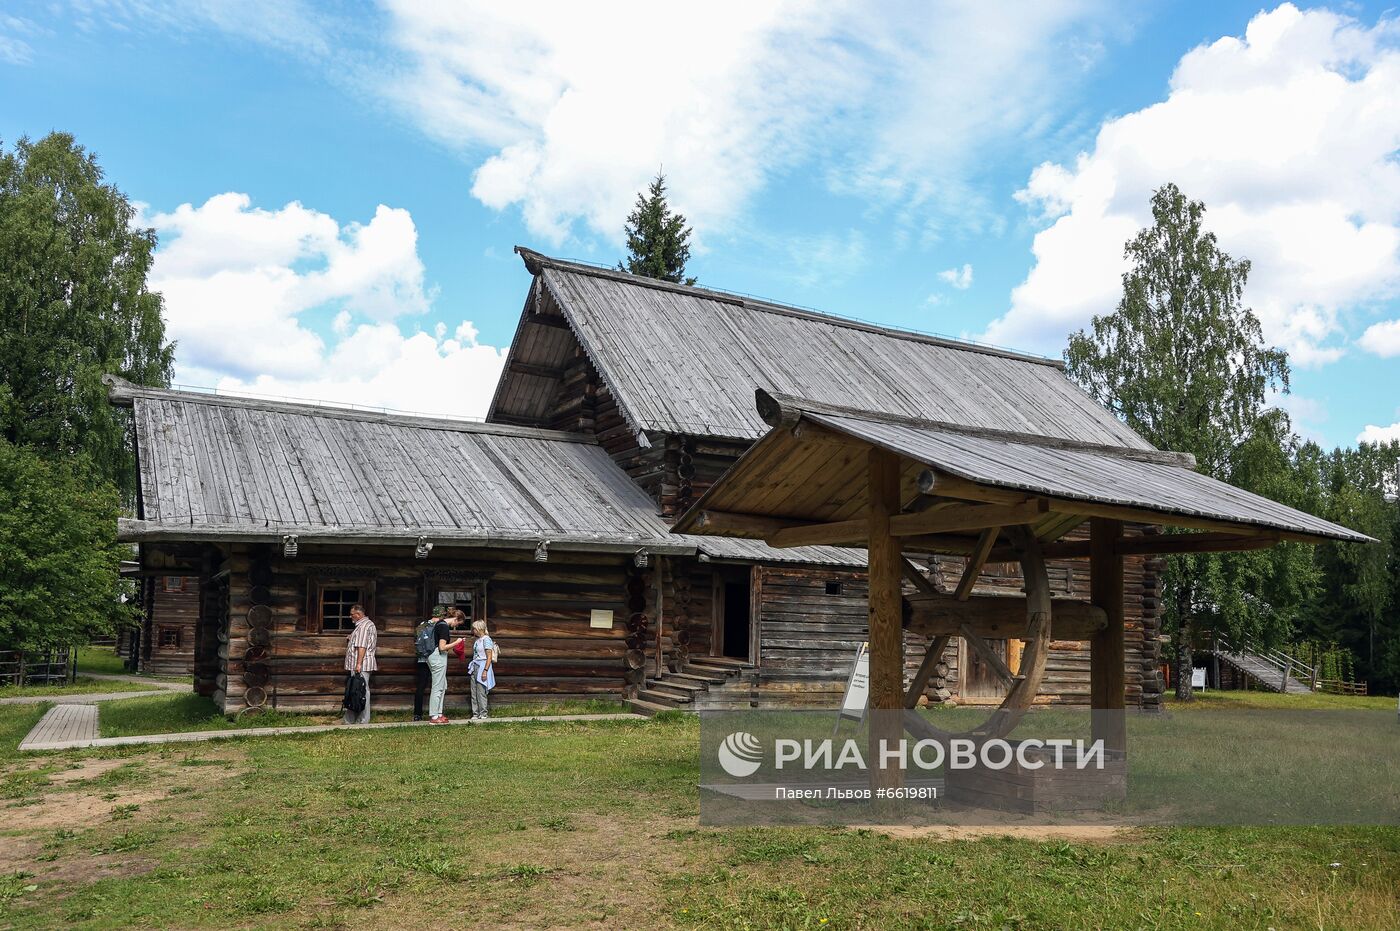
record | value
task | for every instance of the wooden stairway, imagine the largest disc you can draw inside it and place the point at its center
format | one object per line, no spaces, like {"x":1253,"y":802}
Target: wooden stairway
{"x":1269,"y":669}
{"x":700,"y":682}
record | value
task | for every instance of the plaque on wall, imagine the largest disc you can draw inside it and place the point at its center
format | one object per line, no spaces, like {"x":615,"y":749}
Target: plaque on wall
{"x":602,"y":619}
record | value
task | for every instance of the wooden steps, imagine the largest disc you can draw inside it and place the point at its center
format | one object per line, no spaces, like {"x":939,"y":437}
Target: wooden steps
{"x":650,"y":709}
{"x":702,"y":682}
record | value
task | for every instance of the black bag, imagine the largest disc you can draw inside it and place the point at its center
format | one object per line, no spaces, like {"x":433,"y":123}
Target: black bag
{"x":356,"y":694}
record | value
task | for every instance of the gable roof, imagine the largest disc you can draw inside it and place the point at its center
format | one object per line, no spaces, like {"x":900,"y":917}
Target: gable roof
{"x":687,"y":360}
{"x":214,"y":467}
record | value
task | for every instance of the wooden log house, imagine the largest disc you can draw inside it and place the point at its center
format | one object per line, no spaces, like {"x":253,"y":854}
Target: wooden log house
{"x":622,"y":402}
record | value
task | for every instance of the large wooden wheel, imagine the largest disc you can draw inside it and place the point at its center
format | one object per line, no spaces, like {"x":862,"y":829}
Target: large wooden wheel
{"x":1025,"y":685}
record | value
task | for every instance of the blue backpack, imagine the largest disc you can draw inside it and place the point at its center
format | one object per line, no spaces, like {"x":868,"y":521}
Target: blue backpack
{"x":424,"y":642}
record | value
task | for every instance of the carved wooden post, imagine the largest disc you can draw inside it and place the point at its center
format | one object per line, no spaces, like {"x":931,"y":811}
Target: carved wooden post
{"x":1106,"y":650}
{"x":886,"y":632}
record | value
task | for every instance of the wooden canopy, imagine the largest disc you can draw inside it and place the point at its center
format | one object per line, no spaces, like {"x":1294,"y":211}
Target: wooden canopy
{"x":836,"y":476}
{"x":803,"y":484}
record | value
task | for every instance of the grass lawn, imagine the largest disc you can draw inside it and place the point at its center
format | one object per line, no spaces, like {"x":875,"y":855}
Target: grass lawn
{"x":589,"y":825}
{"x":103,"y":661}
{"x":183,"y":712}
{"x":81,"y":685}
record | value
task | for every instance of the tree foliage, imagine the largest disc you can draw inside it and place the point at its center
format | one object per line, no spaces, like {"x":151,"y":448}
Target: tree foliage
{"x":1357,"y":603}
{"x":1183,"y":361}
{"x":73,"y":306}
{"x":658,"y":241}
{"x":59,"y":581}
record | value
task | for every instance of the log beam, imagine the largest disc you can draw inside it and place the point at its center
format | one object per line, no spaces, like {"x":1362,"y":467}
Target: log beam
{"x":886,"y":610}
{"x":1158,"y":545}
{"x":968,"y":517}
{"x":540,"y":371}
{"x":1107,"y":648}
{"x":838,"y":533}
{"x":976,"y":562}
{"x":998,"y":617}
{"x":730,"y":524}
{"x":943,"y":520}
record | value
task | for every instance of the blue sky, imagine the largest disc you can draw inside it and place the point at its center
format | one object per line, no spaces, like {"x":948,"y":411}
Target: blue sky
{"x":337,"y":188}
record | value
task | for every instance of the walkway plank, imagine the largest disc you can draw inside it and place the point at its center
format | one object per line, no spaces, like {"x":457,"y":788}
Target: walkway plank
{"x":62,"y":726}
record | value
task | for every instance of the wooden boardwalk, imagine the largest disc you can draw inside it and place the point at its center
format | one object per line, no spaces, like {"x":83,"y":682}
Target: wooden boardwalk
{"x":51,"y":738}
{"x":63,"y":726}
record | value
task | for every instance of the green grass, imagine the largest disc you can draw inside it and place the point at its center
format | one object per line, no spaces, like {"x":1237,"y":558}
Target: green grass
{"x":183,"y":712}
{"x":81,"y":685}
{"x":595,"y":824}
{"x":101,"y":660}
{"x":1317,"y":701}
{"x":15,"y":722}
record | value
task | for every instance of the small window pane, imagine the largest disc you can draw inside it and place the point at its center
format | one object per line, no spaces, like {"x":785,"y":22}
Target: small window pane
{"x":174,"y":583}
{"x":833,"y":588}
{"x":335,"y":607}
{"x":168,"y":637}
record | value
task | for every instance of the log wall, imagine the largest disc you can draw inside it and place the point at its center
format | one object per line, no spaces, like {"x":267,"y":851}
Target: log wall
{"x":539,"y":613}
{"x":171,"y":614}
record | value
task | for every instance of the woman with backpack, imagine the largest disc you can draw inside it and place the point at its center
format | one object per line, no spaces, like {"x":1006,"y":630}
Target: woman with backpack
{"x":437,"y":663}
{"x":482,"y":669}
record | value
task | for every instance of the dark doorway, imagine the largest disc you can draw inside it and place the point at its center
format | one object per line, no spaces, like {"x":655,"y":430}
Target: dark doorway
{"x":736,"y":619}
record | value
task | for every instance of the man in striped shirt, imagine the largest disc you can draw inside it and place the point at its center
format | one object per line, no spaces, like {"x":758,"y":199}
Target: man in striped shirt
{"x":360,"y":647}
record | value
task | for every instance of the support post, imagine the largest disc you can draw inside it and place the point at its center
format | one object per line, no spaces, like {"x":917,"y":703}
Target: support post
{"x":886,"y":628}
{"x":1107,"y":650}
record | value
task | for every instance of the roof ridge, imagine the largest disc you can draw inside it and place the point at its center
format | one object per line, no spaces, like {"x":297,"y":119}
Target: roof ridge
{"x":785,"y":410}
{"x":535,"y":262}
{"x":123,"y":393}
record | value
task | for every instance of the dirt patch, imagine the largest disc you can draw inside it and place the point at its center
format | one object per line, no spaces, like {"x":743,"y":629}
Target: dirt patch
{"x":85,"y":769}
{"x":593,"y":877}
{"x":18,"y":853}
{"x":75,"y":810}
{"x":75,"y":872}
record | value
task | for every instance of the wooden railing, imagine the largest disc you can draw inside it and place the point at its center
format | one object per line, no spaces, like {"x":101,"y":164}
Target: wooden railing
{"x":1341,"y":687}
{"x":47,"y":668}
{"x":1285,"y":665}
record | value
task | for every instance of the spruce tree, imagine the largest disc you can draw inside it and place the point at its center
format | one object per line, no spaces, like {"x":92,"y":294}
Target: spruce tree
{"x":658,"y":241}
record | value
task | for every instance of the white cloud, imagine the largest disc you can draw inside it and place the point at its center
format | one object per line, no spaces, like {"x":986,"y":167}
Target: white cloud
{"x":1288,"y":135}
{"x":249,"y":293}
{"x":960,"y":278}
{"x":578,"y":108}
{"x":377,"y":366}
{"x":1382,"y":338}
{"x":1374,"y":434}
{"x":13,"y":49}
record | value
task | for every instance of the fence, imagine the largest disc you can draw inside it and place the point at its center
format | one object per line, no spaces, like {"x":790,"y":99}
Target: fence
{"x":1341,"y":687}
{"x":38,"y":668}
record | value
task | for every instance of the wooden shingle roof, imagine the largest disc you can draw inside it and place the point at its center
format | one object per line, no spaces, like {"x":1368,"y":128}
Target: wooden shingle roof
{"x":216,"y":467}
{"x":687,"y":360}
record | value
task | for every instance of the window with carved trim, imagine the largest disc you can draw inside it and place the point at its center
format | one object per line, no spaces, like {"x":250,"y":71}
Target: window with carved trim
{"x":336,"y":602}
{"x":175,"y":583}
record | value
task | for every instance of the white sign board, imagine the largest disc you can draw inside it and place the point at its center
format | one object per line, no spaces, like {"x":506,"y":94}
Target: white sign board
{"x":603,"y":619}
{"x":1198,"y":677}
{"x":858,"y":686}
